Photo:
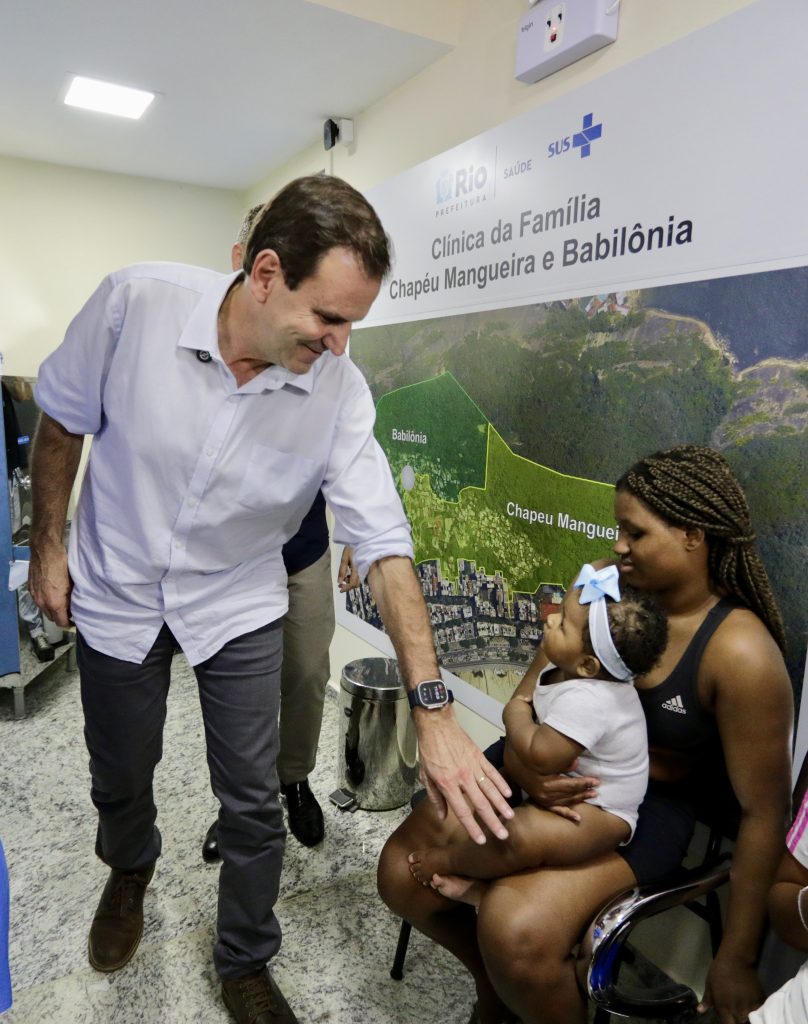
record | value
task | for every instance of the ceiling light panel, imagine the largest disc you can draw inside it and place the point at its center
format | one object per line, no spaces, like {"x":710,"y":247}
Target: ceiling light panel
{"x":108,"y":98}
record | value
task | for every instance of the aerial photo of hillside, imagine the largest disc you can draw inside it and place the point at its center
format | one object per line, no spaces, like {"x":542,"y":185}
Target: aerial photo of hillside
{"x":583,"y":387}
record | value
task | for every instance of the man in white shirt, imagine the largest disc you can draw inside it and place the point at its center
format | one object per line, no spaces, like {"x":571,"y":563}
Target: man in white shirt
{"x":219,"y":406}
{"x":308,"y":628}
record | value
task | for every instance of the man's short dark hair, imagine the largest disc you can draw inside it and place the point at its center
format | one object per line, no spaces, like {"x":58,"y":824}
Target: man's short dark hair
{"x":311,"y":216}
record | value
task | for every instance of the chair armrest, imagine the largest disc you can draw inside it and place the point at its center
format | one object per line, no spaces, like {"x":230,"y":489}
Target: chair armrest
{"x":615,"y":922}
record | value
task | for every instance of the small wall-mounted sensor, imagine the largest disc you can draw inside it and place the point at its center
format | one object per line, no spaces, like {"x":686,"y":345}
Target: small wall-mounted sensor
{"x":555,"y":33}
{"x":337,"y":130}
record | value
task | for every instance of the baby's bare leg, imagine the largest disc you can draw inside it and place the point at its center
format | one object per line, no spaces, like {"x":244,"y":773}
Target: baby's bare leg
{"x":535,"y":837}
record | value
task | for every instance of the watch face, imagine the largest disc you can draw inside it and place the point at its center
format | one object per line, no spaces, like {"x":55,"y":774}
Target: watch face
{"x":432,"y":692}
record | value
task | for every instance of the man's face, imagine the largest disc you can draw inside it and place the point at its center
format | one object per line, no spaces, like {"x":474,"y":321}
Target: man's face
{"x":298,"y":326}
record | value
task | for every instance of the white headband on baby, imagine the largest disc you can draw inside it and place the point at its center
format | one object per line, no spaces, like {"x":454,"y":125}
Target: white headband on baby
{"x":596,"y":585}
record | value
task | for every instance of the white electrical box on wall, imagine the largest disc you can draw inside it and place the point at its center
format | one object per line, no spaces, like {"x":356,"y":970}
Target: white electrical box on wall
{"x":556,"y":33}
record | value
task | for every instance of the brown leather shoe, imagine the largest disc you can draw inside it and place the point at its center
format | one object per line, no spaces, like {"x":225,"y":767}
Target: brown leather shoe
{"x":118,"y":922}
{"x":256,"y":999}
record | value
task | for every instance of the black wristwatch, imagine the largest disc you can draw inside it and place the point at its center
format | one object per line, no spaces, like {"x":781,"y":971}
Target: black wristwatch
{"x":431,"y":694}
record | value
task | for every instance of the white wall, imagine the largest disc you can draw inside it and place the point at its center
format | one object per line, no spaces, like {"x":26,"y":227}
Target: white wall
{"x":472,"y":88}
{"x":64,"y":228}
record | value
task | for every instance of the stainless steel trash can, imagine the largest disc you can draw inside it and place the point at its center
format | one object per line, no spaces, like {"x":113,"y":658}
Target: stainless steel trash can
{"x":377,"y":757}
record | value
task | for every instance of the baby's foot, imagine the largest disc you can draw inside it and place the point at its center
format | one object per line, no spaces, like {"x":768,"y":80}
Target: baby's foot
{"x":422,"y":866}
{"x":463,"y":890}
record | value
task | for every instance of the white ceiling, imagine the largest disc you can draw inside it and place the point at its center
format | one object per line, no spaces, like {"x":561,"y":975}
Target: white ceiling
{"x":242,"y":85}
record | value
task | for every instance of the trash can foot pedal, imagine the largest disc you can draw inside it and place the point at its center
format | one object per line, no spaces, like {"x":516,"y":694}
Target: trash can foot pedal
{"x":344,"y":799}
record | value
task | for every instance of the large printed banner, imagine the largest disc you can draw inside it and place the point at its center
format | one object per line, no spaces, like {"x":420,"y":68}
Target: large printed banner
{"x":682,"y":165}
{"x":618,"y":271}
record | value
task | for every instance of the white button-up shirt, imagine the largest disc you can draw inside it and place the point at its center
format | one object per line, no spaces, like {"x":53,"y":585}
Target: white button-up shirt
{"x":194,"y":484}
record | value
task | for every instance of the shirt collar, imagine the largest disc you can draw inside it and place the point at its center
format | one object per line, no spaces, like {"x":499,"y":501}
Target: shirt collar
{"x":201,"y":334}
{"x":201,"y":331}
{"x":279,"y":377}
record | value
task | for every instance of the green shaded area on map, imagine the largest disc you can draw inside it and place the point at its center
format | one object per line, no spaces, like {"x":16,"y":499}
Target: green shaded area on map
{"x":497,"y":538}
{"x":452,"y":435}
{"x":522,"y":520}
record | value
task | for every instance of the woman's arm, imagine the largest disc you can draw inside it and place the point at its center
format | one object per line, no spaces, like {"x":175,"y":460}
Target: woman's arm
{"x":754,"y":709}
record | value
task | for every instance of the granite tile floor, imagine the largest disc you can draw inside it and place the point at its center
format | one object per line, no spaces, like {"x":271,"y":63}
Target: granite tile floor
{"x":338,"y":937}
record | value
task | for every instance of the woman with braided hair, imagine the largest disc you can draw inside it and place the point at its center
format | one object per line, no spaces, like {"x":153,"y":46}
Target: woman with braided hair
{"x":692,"y":486}
{"x":718,"y":708}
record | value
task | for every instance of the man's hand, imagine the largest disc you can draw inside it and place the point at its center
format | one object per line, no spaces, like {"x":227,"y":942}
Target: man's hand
{"x":453,"y":769}
{"x":732,"y":989}
{"x":457,"y":775}
{"x":347,"y":576}
{"x":49,"y":581}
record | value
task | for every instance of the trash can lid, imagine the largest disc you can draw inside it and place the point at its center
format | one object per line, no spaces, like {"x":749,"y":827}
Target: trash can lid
{"x":375,"y":678}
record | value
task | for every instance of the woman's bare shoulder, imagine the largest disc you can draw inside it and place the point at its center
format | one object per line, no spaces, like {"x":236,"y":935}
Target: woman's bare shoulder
{"x":743,"y":632}
{"x":742,"y":652}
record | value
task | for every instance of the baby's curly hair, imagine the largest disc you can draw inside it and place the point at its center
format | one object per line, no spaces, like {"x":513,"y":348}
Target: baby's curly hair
{"x":639,"y":630}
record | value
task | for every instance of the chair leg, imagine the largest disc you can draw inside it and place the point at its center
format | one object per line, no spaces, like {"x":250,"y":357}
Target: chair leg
{"x":602,"y":1015}
{"x":397,"y":970}
{"x":713,"y":907}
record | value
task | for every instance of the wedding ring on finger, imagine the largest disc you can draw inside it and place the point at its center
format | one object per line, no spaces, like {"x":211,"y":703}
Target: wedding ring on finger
{"x":481,"y":780}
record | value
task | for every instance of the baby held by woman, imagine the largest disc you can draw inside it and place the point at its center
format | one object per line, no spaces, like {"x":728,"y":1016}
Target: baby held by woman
{"x":581,"y":714}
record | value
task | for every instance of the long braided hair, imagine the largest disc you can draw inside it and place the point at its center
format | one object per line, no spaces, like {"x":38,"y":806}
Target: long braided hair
{"x":691,"y":485}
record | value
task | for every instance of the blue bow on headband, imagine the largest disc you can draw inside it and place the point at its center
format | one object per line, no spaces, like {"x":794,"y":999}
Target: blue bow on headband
{"x":596,"y":583}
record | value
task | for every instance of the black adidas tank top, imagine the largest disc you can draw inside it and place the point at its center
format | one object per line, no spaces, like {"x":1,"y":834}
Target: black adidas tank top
{"x":676,"y":720}
{"x":674,"y":715}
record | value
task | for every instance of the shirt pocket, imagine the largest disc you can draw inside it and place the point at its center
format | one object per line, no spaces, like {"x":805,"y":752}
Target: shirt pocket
{"x":276,"y":481}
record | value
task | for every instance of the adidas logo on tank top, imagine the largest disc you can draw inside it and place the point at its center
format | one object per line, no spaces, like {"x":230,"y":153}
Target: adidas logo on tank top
{"x":675,"y":704}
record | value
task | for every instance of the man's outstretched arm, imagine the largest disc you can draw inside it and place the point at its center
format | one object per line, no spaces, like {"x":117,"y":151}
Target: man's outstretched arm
{"x":453,"y":769}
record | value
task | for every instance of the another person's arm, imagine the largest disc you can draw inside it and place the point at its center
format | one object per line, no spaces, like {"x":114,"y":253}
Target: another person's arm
{"x":788,"y":903}
{"x":753,"y":708}
{"x":452,"y":766}
{"x":54,"y":465}
{"x":347,"y":575}
{"x":370,"y":518}
{"x":788,"y":898}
